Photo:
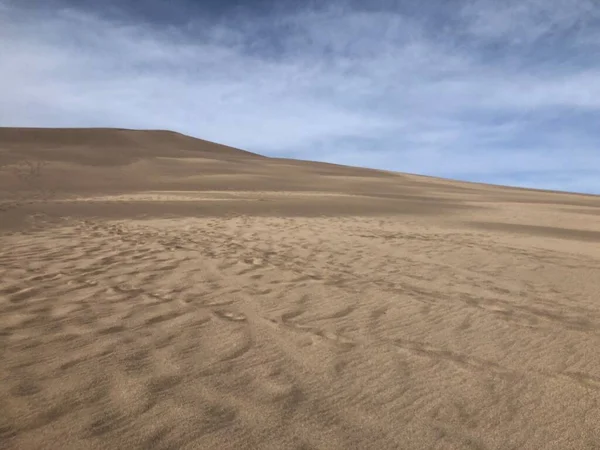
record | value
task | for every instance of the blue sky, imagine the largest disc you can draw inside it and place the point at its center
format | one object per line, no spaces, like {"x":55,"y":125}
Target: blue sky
{"x":503,"y":92}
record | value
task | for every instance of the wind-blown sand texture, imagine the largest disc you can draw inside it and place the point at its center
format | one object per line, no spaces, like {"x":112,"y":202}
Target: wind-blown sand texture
{"x":161,"y":292}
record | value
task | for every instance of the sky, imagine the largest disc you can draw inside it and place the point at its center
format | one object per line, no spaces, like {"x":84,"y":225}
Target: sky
{"x":502,"y":92}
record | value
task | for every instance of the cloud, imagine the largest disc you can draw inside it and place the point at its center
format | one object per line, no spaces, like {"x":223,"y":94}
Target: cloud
{"x":524,"y":22}
{"x":483,"y":92}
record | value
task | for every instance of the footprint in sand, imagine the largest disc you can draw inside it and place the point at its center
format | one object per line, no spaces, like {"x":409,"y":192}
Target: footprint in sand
{"x":343,"y":341}
{"x":230,"y":316}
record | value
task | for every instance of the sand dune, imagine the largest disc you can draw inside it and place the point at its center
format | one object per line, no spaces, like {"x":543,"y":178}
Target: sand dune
{"x":163,"y":292}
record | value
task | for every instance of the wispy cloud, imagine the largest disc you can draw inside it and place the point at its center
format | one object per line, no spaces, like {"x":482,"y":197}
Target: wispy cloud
{"x":483,"y":92}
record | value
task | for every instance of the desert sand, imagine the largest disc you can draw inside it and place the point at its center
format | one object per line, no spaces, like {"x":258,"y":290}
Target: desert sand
{"x":163,"y":292}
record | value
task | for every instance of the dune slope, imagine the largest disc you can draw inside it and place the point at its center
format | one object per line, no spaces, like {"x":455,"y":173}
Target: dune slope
{"x":160,"y":291}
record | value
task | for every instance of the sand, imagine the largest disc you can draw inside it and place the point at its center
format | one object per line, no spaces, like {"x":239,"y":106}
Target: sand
{"x":162,"y":292}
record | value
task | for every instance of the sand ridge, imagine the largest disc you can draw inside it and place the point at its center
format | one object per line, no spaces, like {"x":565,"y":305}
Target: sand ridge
{"x":380,"y":312}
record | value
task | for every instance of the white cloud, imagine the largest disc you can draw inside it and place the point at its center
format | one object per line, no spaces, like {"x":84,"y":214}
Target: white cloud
{"x":522,"y":22}
{"x":365,"y":88}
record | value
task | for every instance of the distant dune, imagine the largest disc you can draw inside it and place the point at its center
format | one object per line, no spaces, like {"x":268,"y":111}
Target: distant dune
{"x":159,"y":291}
